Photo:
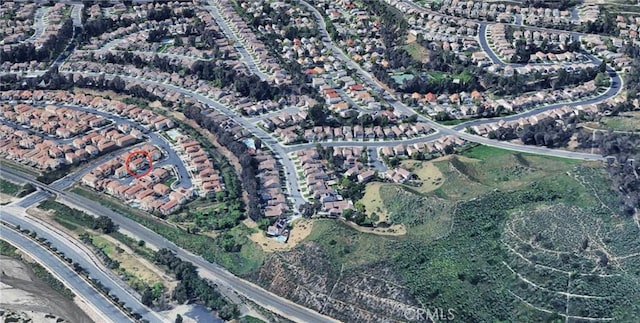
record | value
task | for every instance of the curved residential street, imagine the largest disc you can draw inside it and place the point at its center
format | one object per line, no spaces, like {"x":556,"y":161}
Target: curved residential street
{"x":231,"y":285}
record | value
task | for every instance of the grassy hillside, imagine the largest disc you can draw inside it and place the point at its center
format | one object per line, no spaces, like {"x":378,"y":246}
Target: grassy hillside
{"x":506,"y":237}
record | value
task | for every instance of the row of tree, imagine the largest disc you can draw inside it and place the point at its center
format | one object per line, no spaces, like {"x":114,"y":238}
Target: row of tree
{"x":249,"y":165}
{"x":194,"y":288}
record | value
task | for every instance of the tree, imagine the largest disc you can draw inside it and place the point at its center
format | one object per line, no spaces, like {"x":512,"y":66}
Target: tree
{"x":104,"y":224}
{"x":147,"y":296}
{"x":602,"y":80}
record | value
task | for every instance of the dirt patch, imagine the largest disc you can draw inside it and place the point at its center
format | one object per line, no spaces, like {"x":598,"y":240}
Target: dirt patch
{"x":47,"y":216}
{"x":372,"y":201}
{"x":25,"y":296}
{"x":6,"y":198}
{"x":148,"y":272}
{"x":301,"y":229}
{"x":430,"y":176}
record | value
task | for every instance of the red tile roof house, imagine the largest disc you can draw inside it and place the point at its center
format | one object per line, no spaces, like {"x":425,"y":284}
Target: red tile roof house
{"x":130,"y":194}
{"x":169,"y":207}
{"x":161,"y":189}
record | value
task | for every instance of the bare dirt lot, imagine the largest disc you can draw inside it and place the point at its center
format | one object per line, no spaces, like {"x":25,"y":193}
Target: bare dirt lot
{"x":301,"y":229}
{"x":6,"y":198}
{"x":24,"y":295}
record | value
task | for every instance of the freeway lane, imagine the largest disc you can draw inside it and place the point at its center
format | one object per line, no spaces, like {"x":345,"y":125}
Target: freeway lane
{"x":98,"y":302}
{"x":257,"y":294}
{"x":75,"y":250}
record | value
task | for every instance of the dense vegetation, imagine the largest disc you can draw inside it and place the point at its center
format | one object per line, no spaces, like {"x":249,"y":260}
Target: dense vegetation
{"x":504,"y":199}
{"x":10,"y":188}
{"x":244,"y":256}
{"x":67,"y":214}
{"x":194,"y":288}
{"x":248,"y":178}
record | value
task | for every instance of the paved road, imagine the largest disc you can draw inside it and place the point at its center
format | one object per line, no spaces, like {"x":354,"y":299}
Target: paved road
{"x":375,"y":161}
{"x":482,"y":40}
{"x":107,"y":311}
{"x":76,"y":14}
{"x":222,"y":277}
{"x":155,"y":139}
{"x":39,"y":23}
{"x":267,"y":140}
{"x":250,"y":61}
{"x":518,"y":19}
{"x":16,"y":215}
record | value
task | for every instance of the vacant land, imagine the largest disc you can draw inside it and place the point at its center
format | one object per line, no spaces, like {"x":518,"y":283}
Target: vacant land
{"x":27,"y":296}
{"x":137,"y":270}
{"x":626,"y":121}
{"x":301,"y":229}
{"x":487,"y":264}
{"x":372,"y":201}
{"x":430,"y":176}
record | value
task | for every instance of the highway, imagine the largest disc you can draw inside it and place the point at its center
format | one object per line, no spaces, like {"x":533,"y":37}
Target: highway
{"x":221,"y":276}
{"x":100,"y":305}
{"x":75,"y":250}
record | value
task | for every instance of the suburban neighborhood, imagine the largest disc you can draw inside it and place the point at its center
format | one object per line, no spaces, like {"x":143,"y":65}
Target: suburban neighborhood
{"x":322,"y":160}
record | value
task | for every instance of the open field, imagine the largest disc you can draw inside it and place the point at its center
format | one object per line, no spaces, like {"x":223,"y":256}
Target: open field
{"x":138,"y":271}
{"x":626,"y":121}
{"x":429,"y":174}
{"x":417,"y":51}
{"x":430,"y":178}
{"x":372,"y":201}
{"x":301,"y":229}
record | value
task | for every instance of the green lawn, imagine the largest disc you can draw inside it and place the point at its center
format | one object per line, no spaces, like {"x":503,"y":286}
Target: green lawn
{"x":170,"y":181}
{"x":9,"y":188}
{"x":451,"y":122}
{"x":626,"y":121}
